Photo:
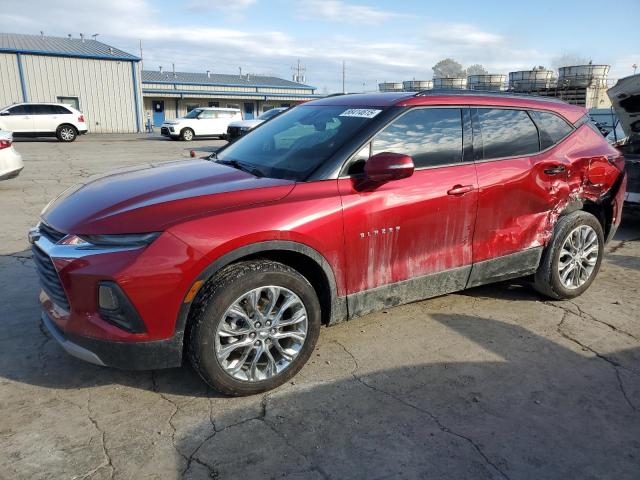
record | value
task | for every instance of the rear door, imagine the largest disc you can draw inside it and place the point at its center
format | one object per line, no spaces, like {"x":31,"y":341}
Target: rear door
{"x":518,"y":187}
{"x":416,"y":226}
{"x":46,"y":118}
{"x":18,"y":120}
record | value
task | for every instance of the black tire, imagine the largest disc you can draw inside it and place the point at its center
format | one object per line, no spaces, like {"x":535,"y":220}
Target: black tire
{"x":186,"y":134}
{"x":218,"y":294}
{"x":547,"y":278}
{"x":66,"y":133}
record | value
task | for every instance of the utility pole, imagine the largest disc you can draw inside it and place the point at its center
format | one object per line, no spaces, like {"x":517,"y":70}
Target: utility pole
{"x":343,"y":77}
{"x":141,"y":57}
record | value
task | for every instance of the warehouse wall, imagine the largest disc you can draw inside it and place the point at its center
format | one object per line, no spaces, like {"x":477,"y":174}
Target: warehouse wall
{"x":104,"y":87}
{"x":10,"y":90}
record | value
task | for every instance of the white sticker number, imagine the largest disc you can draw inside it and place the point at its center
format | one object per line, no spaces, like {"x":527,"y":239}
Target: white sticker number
{"x":360,"y":112}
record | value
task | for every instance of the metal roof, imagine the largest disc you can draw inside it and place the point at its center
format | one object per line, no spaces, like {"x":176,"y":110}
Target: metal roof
{"x":185,"y":78}
{"x":61,"y":46}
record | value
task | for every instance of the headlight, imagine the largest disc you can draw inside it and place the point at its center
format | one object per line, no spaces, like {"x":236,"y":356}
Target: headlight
{"x":126,"y":240}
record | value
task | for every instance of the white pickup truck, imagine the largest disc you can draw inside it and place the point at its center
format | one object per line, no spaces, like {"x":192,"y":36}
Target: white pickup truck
{"x":201,"y":122}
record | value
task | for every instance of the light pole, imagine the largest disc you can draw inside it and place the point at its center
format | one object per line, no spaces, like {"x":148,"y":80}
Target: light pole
{"x":635,"y":66}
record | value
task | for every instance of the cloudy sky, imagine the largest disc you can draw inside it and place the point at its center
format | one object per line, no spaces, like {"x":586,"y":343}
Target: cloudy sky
{"x":379,"y":41}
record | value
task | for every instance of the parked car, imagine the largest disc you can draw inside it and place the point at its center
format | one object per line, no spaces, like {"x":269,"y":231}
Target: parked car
{"x":239,"y":128}
{"x":43,"y":120}
{"x":10,"y":161}
{"x":625,"y":98}
{"x":201,"y":122}
{"x":331,"y":210}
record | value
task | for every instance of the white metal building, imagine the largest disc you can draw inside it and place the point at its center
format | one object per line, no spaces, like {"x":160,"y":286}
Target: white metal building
{"x":101,"y":81}
{"x":172,"y":94}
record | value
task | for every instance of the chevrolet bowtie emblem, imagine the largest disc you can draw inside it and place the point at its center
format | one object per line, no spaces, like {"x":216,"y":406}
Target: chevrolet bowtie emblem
{"x":33,"y":235}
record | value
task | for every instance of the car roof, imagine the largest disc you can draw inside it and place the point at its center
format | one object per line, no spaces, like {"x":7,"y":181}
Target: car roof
{"x":218,"y":109}
{"x":455,"y":97}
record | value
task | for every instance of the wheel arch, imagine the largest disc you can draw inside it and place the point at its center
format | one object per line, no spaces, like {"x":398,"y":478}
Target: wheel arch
{"x":306,"y":260}
{"x":67,"y":124}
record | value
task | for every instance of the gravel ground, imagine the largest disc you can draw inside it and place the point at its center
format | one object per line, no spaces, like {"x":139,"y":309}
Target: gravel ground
{"x":495,"y":382}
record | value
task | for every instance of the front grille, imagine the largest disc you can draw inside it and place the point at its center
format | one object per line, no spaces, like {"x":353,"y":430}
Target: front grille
{"x":164,"y":131}
{"x":49,"y":280}
{"x":53,"y":235}
{"x":234,"y":132}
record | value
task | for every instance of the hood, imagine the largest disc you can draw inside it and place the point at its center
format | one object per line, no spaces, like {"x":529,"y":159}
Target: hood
{"x":254,"y":122}
{"x":155,"y":197}
{"x":625,"y":99}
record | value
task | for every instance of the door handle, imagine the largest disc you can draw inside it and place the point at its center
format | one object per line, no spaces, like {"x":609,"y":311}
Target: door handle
{"x":459,"y":189}
{"x":555,"y":170}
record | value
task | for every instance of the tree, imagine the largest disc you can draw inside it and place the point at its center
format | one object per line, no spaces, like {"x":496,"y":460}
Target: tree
{"x":448,"y":68}
{"x":568,"y":59}
{"x":476,"y":69}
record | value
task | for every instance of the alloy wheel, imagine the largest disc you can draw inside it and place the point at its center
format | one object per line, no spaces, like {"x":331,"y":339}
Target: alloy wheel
{"x":578,"y":257}
{"x":67,"y":134}
{"x":261,"y":333}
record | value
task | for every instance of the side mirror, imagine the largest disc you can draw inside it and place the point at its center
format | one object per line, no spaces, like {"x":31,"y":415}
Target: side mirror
{"x":386,"y":166}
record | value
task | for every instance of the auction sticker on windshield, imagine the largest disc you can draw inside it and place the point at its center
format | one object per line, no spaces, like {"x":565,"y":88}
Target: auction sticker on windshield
{"x":360,"y":112}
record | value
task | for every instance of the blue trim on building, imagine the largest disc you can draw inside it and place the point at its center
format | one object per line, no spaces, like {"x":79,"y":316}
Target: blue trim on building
{"x":134,"y":77}
{"x":187,"y":93}
{"x":23,"y":83}
{"x":69,"y":54}
{"x":250,"y":85}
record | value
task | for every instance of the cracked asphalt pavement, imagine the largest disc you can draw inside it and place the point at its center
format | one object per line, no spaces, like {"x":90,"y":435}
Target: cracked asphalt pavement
{"x":492,"y":383}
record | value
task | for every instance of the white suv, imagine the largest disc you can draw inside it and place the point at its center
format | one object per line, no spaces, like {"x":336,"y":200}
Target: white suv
{"x":43,"y":120}
{"x":201,"y":122}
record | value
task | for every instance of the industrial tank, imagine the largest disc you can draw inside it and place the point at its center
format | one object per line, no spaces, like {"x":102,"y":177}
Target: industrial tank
{"x":583,"y":76}
{"x":455,"y":83}
{"x":529,"y":80}
{"x":491,"y":82}
{"x":390,"y":87}
{"x":417,"y":85}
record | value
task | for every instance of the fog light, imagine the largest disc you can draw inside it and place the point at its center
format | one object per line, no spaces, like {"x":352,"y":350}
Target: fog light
{"x":107,"y":298}
{"x":115,"y":308}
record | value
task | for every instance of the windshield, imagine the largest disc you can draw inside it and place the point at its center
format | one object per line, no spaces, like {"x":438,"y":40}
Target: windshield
{"x":295,"y":143}
{"x":269,"y":114}
{"x":193,"y":113}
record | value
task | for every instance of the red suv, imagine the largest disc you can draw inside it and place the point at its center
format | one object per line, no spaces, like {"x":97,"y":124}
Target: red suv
{"x":331,"y":210}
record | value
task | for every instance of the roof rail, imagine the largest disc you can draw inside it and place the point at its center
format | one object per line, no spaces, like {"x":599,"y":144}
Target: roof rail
{"x":486,"y":93}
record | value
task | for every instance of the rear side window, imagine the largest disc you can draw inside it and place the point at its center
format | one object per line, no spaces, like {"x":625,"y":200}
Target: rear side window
{"x":552,"y":128}
{"x":507,"y":133}
{"x":43,"y":109}
{"x":60,"y":110}
{"x":432,"y":136}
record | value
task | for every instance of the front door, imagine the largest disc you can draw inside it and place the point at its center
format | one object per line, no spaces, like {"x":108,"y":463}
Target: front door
{"x":417,"y":226}
{"x":18,"y":119}
{"x":158,"y":113}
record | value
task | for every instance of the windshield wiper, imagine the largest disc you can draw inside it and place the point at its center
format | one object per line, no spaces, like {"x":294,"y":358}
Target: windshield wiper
{"x":243,"y":166}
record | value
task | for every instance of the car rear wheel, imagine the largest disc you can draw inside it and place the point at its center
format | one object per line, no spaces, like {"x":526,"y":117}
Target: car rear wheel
{"x":186,"y":134}
{"x":253,"y":327}
{"x":66,"y":133}
{"x":572,"y":259}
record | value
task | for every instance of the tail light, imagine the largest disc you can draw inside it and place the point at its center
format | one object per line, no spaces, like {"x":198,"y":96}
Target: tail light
{"x":617,"y":161}
{"x":5,"y":144}
{"x":81,"y":119}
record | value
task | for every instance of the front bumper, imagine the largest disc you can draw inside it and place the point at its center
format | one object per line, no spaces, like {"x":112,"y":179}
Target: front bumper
{"x":122,"y":355}
{"x":169,"y":131}
{"x":154,"y":279}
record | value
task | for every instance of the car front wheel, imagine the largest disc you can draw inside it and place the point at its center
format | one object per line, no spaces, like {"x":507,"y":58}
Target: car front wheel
{"x":253,"y":327}
{"x":572,"y":259}
{"x":66,"y":133}
{"x":187,"y":135}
